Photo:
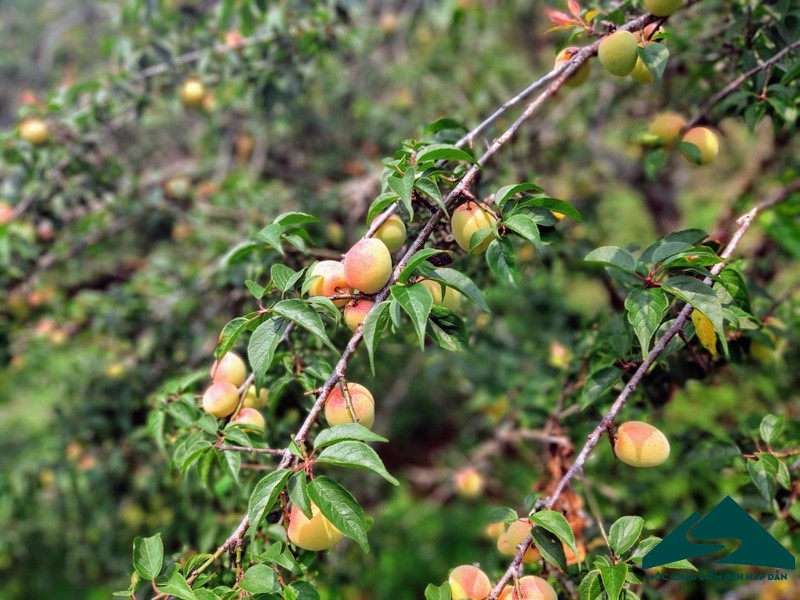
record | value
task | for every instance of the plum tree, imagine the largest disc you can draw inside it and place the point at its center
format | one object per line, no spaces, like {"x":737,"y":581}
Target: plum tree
{"x":230,"y":368}
{"x":316,"y":533}
{"x":34,"y":131}
{"x":662,"y":8}
{"x":667,"y":127}
{"x":392,"y":233}
{"x":468,"y":219}
{"x":617,"y":53}
{"x":192,"y":92}
{"x":530,"y":588}
{"x":368,"y":266}
{"x":640,"y":444}
{"x":512,"y":537}
{"x":469,"y":482}
{"x":221,"y":399}
{"x":579,"y":76}
{"x":250,"y":419}
{"x":706,"y":143}
{"x":445,"y":296}
{"x":469,"y":583}
{"x":361,"y":400}
{"x":330,"y":280}
{"x":356,"y":311}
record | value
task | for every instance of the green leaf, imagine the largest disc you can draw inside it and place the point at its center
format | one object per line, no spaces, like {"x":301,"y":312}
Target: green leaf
{"x":700,"y":296}
{"x":271,"y":235}
{"x":303,"y":590}
{"x":148,"y":556}
{"x":598,"y":384}
{"x":526,"y":227}
{"x":701,"y":256}
{"x":624,"y":533}
{"x":428,"y":187}
{"x":663,"y":250}
{"x":557,"y":524}
{"x":770,"y":428}
{"x":340,"y":508}
{"x":373,"y":327}
{"x":264,"y":496}
{"x":436,"y":152}
{"x":258,"y":579}
{"x":733,"y":281}
{"x":355,"y":455}
{"x":304,"y":315}
{"x":416,"y":301}
{"x":509,"y":191}
{"x":551,"y":549}
{"x":415,"y":261}
{"x":257,"y":290}
{"x":403,"y":186}
{"x":229,"y":334}
{"x":298,"y":492}
{"x":284,"y":277}
{"x":613,"y":256}
{"x":654,"y":57}
{"x":261,"y":349}
{"x":590,"y":587}
{"x":380,"y":204}
{"x":447,"y":329}
{"x":348,"y":431}
{"x":614,"y":579}
{"x":500,"y":258}
{"x":504,"y":514}
{"x":456,"y":279}
{"x":292,"y":219}
{"x":175,"y":584}
{"x":643,"y":548}
{"x":438,"y":593}
{"x":646,"y":308}
{"x":763,"y":477}
{"x":681,"y":564}
{"x":233,"y":460}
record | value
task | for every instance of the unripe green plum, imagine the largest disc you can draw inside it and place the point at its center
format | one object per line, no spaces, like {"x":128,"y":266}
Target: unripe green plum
{"x":617,"y":53}
{"x":451,"y":299}
{"x":662,"y":8}
{"x":316,"y":533}
{"x":530,"y":588}
{"x":220,"y":399}
{"x":250,"y":419}
{"x":392,"y":233}
{"x":579,"y":76}
{"x":469,"y":583}
{"x":641,"y":445}
{"x":468,"y":219}
{"x":509,"y":540}
{"x":230,"y":368}
{"x":640,"y":73}
{"x":368,"y":266}
{"x":706,"y":142}
{"x":337,"y":413}
{"x":330,"y":280}
{"x":251,"y":400}
{"x":667,"y":127}
{"x":355,"y":313}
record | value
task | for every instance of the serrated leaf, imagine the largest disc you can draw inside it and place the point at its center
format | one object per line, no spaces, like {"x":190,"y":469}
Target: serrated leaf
{"x":509,"y":191}
{"x":283,"y":277}
{"x":262,"y":345}
{"x":380,"y":204}
{"x":557,"y":524}
{"x":500,"y":258}
{"x":348,"y":431}
{"x":229,"y":334}
{"x":340,"y":508}
{"x":415,"y":261}
{"x":624,"y":533}
{"x":403,"y":186}
{"x":304,"y":315}
{"x":700,"y":296}
{"x":645,"y":309}
{"x":298,"y":492}
{"x":552,"y":550}
{"x":614,"y":579}
{"x":264,"y":496}
{"x":591,"y":587}
{"x":655,"y":57}
{"x":456,"y":279}
{"x":526,"y":227}
{"x":598,"y":384}
{"x":704,"y":329}
{"x":428,"y":187}
{"x":613,"y":256}
{"x":355,"y":455}
{"x":148,"y":556}
{"x":257,"y":290}
{"x":441,"y":592}
{"x":373,"y":327}
{"x":416,"y":301}
{"x":643,"y":548}
{"x":271,"y":235}
{"x":436,"y":152}
{"x":258,"y":579}
{"x":770,"y":428}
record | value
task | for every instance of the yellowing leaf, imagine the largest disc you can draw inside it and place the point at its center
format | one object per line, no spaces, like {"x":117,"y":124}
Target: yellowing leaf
{"x":592,"y":14}
{"x":705,"y":331}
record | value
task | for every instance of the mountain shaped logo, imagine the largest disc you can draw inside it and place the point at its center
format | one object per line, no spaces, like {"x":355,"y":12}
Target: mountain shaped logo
{"x":726,"y":521}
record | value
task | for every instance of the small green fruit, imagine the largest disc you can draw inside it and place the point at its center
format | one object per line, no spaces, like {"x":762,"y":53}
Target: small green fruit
{"x":662,"y":8}
{"x":617,"y":53}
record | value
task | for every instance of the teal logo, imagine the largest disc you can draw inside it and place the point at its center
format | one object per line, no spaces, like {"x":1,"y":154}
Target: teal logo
{"x":726,"y":521}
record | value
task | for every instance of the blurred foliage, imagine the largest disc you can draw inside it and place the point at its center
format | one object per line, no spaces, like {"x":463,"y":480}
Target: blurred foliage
{"x":128,"y":260}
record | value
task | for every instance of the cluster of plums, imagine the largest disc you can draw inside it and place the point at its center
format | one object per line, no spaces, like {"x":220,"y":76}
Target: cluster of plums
{"x":468,"y":582}
{"x":221,"y":398}
{"x":668,"y":130}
